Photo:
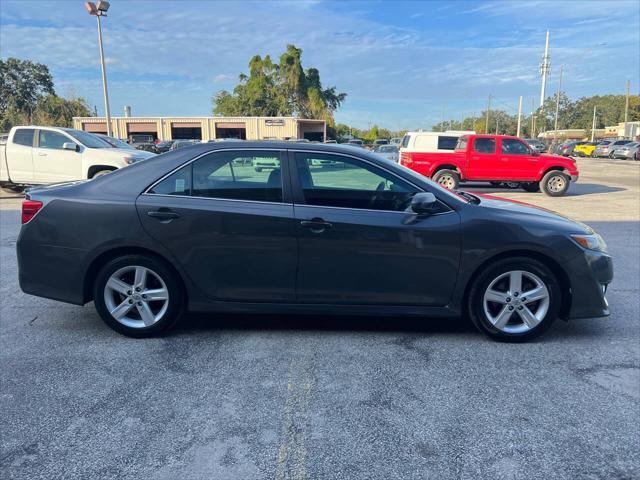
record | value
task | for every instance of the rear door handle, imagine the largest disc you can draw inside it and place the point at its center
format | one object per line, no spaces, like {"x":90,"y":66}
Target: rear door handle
{"x":42,"y":154}
{"x":163,"y":214}
{"x":316,"y":225}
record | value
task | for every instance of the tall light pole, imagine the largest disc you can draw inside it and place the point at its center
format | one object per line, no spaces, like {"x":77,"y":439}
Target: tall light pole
{"x":626,"y":112}
{"x":100,"y":10}
{"x":520,"y":116}
{"x":593,"y":125}
{"x":555,"y":125}
{"x":544,"y":71}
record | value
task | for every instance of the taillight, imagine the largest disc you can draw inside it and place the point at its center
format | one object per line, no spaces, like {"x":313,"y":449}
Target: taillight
{"x":29,"y":209}
{"x":406,"y":159}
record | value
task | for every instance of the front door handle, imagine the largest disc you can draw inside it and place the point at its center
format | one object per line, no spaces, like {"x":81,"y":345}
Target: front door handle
{"x":163,"y":214}
{"x":316,"y":225}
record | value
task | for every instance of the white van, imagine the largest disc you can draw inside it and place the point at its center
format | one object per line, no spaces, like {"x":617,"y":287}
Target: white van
{"x":431,"y":142}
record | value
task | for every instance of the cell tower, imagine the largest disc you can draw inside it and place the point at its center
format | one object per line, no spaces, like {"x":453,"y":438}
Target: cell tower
{"x":544,"y":70}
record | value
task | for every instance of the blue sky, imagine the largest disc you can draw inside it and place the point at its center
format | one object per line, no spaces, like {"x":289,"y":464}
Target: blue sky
{"x":401,"y":63}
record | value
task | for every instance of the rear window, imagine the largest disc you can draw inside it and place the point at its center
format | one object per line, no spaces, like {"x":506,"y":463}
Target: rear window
{"x":447,"y":143}
{"x":24,"y":136}
{"x":405,"y":141}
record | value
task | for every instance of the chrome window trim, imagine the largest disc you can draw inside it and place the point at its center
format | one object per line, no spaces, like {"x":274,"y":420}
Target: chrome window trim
{"x":146,"y":191}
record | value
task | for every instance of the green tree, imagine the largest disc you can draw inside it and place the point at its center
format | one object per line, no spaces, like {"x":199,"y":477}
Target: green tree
{"x":58,"y":111}
{"x":281,"y":89}
{"x":22,"y":84}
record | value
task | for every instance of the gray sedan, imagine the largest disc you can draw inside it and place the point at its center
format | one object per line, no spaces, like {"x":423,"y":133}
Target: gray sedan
{"x":389,"y":152}
{"x":627,"y":151}
{"x":194,"y":230}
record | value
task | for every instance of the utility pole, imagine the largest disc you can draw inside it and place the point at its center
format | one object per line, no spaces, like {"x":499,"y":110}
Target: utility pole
{"x":593,"y":124}
{"x":442,"y":122}
{"x":533,"y":118}
{"x":626,"y":111}
{"x":519,"y":116}
{"x":497,"y":123}
{"x":555,"y":125}
{"x":486,"y":122}
{"x":544,"y":71}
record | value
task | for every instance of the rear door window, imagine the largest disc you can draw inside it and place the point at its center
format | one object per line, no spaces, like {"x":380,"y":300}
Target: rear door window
{"x":24,"y":136}
{"x":484,"y":145}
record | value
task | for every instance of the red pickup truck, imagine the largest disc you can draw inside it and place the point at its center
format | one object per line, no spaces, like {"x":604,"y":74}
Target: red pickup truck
{"x":495,"y":158}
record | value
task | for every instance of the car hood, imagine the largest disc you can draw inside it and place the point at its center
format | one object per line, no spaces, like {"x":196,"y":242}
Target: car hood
{"x":524,"y":212}
{"x":120,"y":153}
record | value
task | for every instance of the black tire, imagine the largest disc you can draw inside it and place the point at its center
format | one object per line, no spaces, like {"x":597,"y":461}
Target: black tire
{"x":447,"y":178}
{"x":476,"y":306}
{"x":176,"y":297}
{"x":531,"y":187}
{"x":555,"y":183}
{"x":99,"y":173}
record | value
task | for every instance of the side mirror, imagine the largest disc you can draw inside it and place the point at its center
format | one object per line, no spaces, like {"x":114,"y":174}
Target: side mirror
{"x":424,"y":203}
{"x":70,"y":146}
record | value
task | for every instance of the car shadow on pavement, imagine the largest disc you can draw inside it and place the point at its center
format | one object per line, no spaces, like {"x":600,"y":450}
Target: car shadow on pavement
{"x":577,"y":189}
{"x":192,"y":323}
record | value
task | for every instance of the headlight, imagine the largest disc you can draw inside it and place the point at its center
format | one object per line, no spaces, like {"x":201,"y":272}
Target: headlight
{"x":590,"y":242}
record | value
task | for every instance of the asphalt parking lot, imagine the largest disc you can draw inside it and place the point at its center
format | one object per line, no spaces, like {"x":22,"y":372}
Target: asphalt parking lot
{"x":290,"y":397}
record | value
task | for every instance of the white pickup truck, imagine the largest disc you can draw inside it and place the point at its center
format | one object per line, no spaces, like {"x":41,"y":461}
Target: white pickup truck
{"x":40,"y":155}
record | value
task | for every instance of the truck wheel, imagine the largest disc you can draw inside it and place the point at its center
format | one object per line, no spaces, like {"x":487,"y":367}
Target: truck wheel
{"x":99,"y":173}
{"x":555,"y":183}
{"x":447,"y":178}
{"x":530,"y":187}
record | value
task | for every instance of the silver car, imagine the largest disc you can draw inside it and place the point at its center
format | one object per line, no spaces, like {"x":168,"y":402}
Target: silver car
{"x":615,"y":146}
{"x":536,"y":145}
{"x":627,"y":151}
{"x":388,"y":152}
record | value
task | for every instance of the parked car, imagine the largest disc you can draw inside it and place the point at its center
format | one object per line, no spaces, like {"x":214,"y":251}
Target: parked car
{"x":330,"y":141}
{"x":38,"y":155}
{"x":495,"y":158}
{"x":537,"y":145}
{"x":390,"y":152}
{"x":602,"y":149}
{"x":627,"y":151}
{"x":261,"y":163}
{"x":355,"y":142}
{"x":380,"y":141}
{"x":567,"y":149}
{"x":396,"y":141}
{"x":142,"y":141}
{"x":177,"y":233}
{"x":177,"y":144}
{"x":585,"y":149}
{"x":614,"y":146}
{"x":164,"y":146}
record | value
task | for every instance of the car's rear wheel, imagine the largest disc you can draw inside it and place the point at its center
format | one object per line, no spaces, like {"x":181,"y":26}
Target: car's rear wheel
{"x":555,"y":183}
{"x":138,"y":296}
{"x":447,"y":178}
{"x":515,"y":299}
{"x":530,"y":187}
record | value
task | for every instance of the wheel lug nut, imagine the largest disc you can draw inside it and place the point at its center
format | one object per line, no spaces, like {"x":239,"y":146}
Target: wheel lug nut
{"x":130,"y":301}
{"x":139,"y":304}
{"x":508,"y":299}
{"x":510,"y":307}
{"x":515,"y":294}
{"x":523,"y":298}
{"x":137,"y":289}
{"x":144,"y":296}
{"x":129,"y":292}
{"x":520,"y":307}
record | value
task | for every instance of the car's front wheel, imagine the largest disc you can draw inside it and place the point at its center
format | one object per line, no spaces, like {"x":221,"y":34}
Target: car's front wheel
{"x":555,"y":183}
{"x":514,"y":300}
{"x":138,"y":295}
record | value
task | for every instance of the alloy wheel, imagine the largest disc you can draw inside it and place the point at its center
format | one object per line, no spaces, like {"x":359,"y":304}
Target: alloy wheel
{"x":516,"y":301}
{"x":136,"y":296}
{"x":447,"y":181}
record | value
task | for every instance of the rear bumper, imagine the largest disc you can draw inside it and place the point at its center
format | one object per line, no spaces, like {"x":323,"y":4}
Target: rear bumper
{"x":589,"y":274}
{"x":50,"y":271}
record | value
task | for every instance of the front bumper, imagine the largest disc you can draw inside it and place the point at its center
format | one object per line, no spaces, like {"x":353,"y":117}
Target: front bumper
{"x":589,"y":275}
{"x":574,"y":178}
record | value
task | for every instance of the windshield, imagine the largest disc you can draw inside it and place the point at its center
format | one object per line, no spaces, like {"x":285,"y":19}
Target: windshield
{"x":89,"y":140}
{"x":117,"y":143}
